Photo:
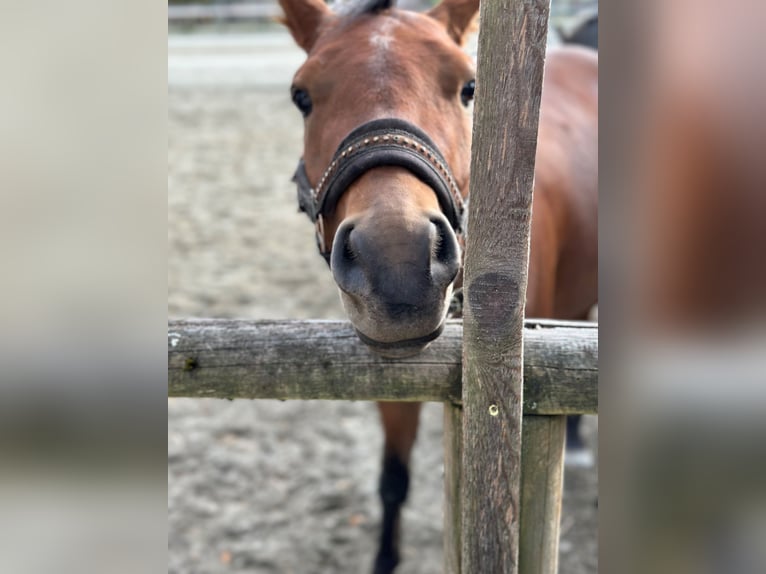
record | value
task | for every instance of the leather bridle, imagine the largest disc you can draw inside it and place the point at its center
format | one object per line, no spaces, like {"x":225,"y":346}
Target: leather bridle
{"x":382,"y":142}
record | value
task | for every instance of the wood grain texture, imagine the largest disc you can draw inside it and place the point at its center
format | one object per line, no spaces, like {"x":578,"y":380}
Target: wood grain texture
{"x":325,"y":360}
{"x":453,"y":451}
{"x":508,"y":87}
{"x":542,"y":473}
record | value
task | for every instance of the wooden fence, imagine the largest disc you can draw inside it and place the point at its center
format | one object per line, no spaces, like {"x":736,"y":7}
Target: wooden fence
{"x":325,"y":360}
{"x":506,"y":384}
{"x":306,"y":360}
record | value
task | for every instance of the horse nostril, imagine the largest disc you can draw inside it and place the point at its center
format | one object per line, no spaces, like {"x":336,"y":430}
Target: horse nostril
{"x":342,"y":244}
{"x":444,"y":245}
{"x":348,"y":251}
{"x":344,"y":261}
{"x":445,"y":255}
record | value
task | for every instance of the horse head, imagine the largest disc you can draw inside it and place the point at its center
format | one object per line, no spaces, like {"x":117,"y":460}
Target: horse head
{"x":385,"y":95}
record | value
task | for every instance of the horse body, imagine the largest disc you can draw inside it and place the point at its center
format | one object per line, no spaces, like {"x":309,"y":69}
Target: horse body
{"x":392,"y":239}
{"x":563,"y":264}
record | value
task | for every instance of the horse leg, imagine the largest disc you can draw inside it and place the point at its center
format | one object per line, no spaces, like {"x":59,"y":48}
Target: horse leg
{"x":400,"y":426}
{"x":574,"y":440}
{"x":577,"y":452}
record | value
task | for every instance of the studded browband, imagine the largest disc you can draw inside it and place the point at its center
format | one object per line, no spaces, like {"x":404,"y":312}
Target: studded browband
{"x":383,"y":142}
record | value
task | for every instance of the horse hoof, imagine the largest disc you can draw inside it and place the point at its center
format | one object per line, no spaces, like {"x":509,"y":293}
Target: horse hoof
{"x":385,"y":564}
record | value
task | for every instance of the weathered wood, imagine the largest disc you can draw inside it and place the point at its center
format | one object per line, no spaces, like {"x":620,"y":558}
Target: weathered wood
{"x":326,"y":360}
{"x":302,"y":360}
{"x":553,"y":386}
{"x":542,"y":472}
{"x":453,"y":453}
{"x":508,"y":87}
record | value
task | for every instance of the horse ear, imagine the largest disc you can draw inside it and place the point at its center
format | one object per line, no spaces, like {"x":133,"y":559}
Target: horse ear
{"x":303,"y":18}
{"x":457,"y":16}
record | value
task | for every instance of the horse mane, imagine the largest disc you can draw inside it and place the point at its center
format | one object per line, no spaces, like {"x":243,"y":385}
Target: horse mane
{"x":357,"y":8}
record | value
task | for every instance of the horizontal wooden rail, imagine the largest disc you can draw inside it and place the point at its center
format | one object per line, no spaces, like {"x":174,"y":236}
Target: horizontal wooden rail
{"x":325,"y":360}
{"x":248,"y":11}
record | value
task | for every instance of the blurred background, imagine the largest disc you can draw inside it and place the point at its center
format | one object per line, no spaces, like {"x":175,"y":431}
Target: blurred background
{"x":92,"y":94}
{"x":265,"y":486}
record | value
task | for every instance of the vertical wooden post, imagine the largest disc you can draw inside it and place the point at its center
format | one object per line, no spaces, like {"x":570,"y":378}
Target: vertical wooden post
{"x":509,"y":83}
{"x":453,"y":454}
{"x":542,"y":473}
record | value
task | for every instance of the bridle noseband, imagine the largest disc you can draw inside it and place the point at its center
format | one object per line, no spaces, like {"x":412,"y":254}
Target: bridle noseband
{"x":383,"y":142}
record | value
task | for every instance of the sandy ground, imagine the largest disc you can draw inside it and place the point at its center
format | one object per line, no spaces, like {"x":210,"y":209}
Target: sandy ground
{"x":264,"y":486}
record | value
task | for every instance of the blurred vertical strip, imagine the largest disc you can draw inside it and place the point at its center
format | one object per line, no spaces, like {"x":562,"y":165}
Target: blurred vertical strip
{"x":686,"y":468}
{"x":83,"y":282}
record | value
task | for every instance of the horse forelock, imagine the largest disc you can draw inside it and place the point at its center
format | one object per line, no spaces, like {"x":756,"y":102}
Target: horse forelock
{"x":354,"y":8}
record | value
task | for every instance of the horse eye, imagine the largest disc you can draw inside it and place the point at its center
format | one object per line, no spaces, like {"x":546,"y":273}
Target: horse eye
{"x":302,"y":101}
{"x":466,"y":94}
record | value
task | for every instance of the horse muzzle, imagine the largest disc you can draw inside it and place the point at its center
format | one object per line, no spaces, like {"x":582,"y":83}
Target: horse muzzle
{"x":396,"y":282}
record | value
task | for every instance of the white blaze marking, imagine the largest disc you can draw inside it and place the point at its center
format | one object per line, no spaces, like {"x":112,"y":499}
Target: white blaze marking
{"x":381,"y":41}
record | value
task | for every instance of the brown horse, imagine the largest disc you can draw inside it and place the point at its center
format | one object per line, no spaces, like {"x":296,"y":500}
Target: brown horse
{"x":386,"y":98}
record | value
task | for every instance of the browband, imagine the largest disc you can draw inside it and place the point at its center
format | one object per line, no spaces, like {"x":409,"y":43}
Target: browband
{"x":383,"y":142}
